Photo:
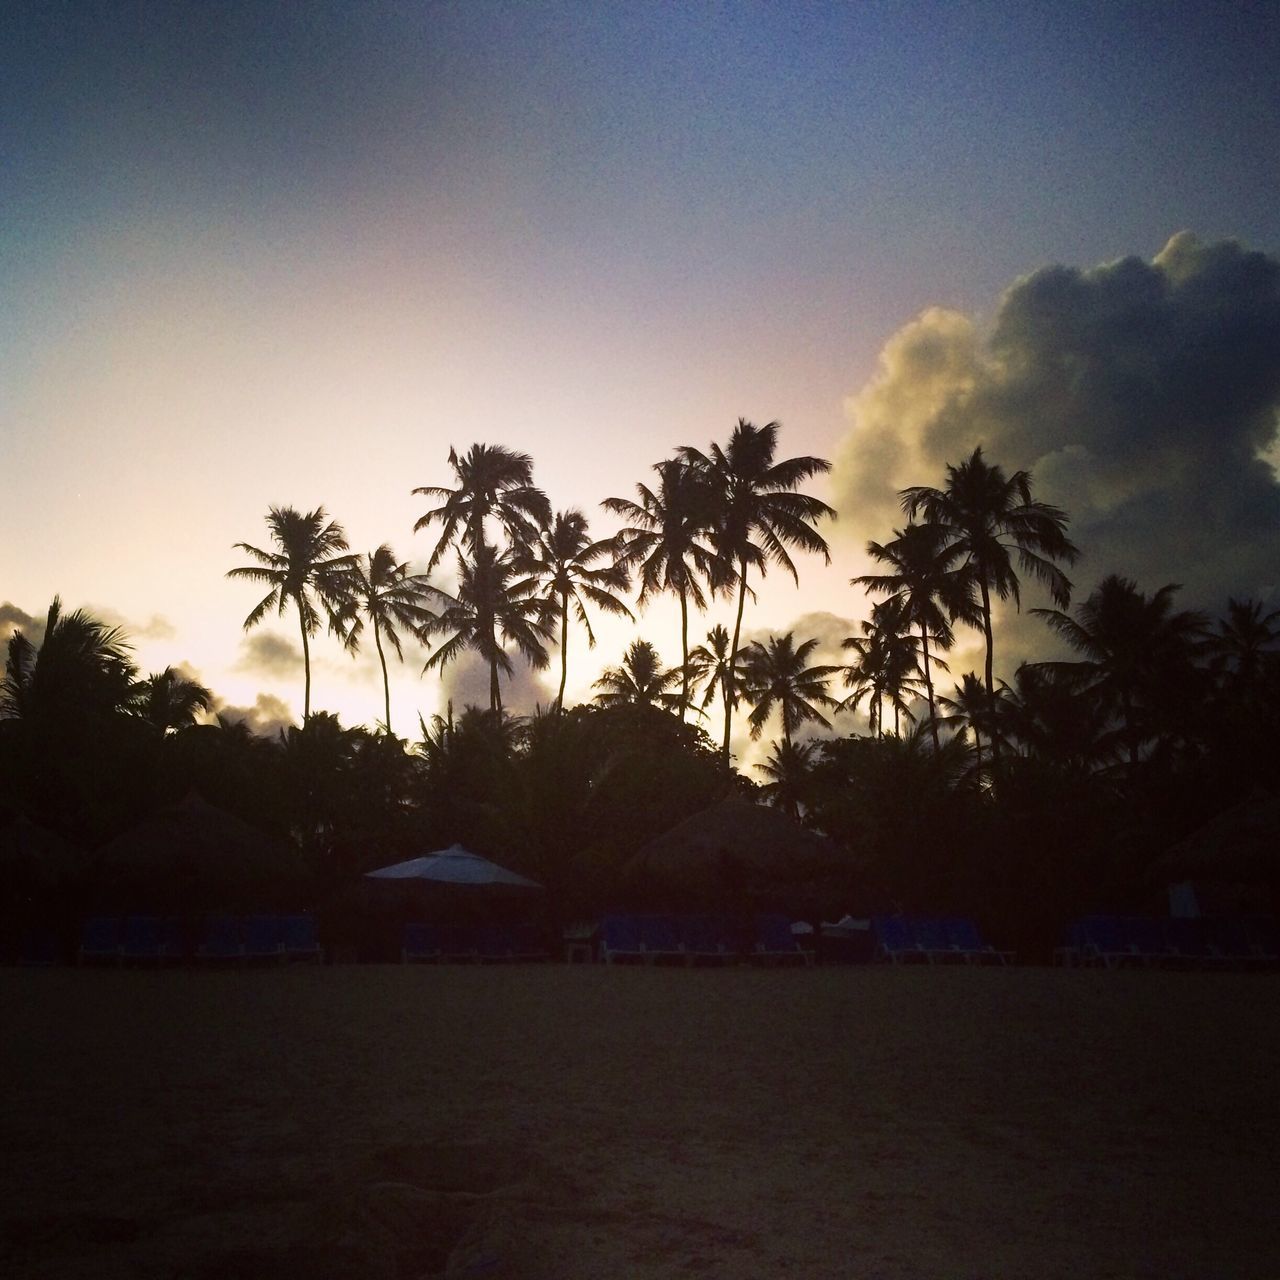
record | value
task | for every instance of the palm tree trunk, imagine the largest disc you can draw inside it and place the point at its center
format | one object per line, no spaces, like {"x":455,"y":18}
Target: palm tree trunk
{"x":564,"y":649}
{"x":386,"y":684}
{"x":306,"y":664}
{"x":928,"y":682}
{"x":684,"y":652}
{"x":991,"y":682}
{"x":730,"y":691}
{"x":495,"y":693}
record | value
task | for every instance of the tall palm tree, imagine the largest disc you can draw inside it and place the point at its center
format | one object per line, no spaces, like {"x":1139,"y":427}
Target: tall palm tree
{"x":564,"y":560}
{"x":775,"y":674}
{"x":1246,"y":643}
{"x":1135,"y":649}
{"x":81,"y":667}
{"x":640,"y":680}
{"x":307,"y":567}
{"x":933,"y":593}
{"x":389,"y":597}
{"x":759,"y":514}
{"x":665,"y":542}
{"x":969,"y":708}
{"x":709,"y":663}
{"x":169,"y":700}
{"x":985,"y":521}
{"x":492,"y":608}
{"x":789,"y":768}
{"x":492,"y":482}
{"x":885,"y":666}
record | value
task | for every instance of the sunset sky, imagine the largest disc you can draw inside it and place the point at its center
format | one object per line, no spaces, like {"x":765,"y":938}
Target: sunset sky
{"x":258,"y":254}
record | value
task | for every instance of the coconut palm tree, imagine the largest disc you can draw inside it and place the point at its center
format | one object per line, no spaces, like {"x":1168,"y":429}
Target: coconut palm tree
{"x":564,"y":560}
{"x":969,"y":708}
{"x":789,"y":768}
{"x":169,"y":700}
{"x":390,"y":598}
{"x":492,"y":608}
{"x":985,"y":521}
{"x":1246,"y":643}
{"x":492,"y":482}
{"x":666,"y":542}
{"x":931,"y":589}
{"x":759,"y":514}
{"x":82,"y":667}
{"x":307,"y":567}
{"x":641,"y":680}
{"x":885,"y":666}
{"x":775,"y":674}
{"x":708,"y":666}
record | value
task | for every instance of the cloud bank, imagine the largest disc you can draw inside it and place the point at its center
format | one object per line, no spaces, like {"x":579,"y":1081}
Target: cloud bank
{"x":1143,"y":396}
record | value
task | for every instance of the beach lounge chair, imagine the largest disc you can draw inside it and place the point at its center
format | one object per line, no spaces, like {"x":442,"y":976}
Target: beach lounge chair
{"x":1104,"y":942}
{"x":705,"y":940}
{"x":142,"y":938}
{"x":962,"y":936}
{"x":1187,"y":944}
{"x":776,"y":944}
{"x":222,"y":939}
{"x":420,"y":944}
{"x":660,"y":939}
{"x":931,"y":938}
{"x":100,"y":939}
{"x":620,"y":940}
{"x":1264,"y":942}
{"x":263,"y":938}
{"x":459,"y":944}
{"x":495,"y":944}
{"x":300,"y":937}
{"x":895,"y":941}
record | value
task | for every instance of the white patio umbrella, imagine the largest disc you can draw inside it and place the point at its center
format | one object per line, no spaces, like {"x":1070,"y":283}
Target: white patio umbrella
{"x":454,"y":866}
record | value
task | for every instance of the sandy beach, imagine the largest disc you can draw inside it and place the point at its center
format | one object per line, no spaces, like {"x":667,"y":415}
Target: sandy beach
{"x":583,"y":1122}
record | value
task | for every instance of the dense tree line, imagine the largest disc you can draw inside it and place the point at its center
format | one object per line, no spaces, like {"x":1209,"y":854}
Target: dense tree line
{"x":1019,"y":799}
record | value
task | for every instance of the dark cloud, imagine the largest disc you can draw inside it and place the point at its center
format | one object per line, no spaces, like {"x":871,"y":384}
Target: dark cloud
{"x":14,"y":619}
{"x":267,"y":653}
{"x":157,"y":627}
{"x":465,"y":683}
{"x":266,"y":717}
{"x":1143,"y":396}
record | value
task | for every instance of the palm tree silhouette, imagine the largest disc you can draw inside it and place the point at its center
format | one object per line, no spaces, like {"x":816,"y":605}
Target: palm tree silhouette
{"x":1135,"y":650}
{"x":169,"y":700}
{"x":641,"y":680}
{"x":759,"y":514}
{"x":1246,"y":643}
{"x":493,"y":607}
{"x":789,"y":768}
{"x":492,"y":482}
{"x":885,"y":666}
{"x":933,"y":592}
{"x":984,"y":521}
{"x":389,"y":597}
{"x":775,"y":674}
{"x":970,"y":708}
{"x":563,"y":559}
{"x":308,"y":569}
{"x":666,"y":542}
{"x":710,"y":663}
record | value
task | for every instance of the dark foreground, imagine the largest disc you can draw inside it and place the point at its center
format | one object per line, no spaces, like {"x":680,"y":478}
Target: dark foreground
{"x":578,"y":1122}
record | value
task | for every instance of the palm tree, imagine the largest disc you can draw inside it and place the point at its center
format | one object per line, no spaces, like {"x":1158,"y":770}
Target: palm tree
{"x":1246,"y":642}
{"x":970,"y":708}
{"x":564,"y":560}
{"x":789,"y":768}
{"x":640,"y":680}
{"x":774,"y":674}
{"x":492,"y":608}
{"x":666,"y":541}
{"x":931,"y":590}
{"x":492,"y":481}
{"x":885,"y":666}
{"x":984,"y":521}
{"x":169,"y":700}
{"x":81,"y":668}
{"x":1136,"y":652}
{"x":710,"y":663}
{"x":759,"y":514}
{"x":306,"y":568}
{"x":386,"y":594}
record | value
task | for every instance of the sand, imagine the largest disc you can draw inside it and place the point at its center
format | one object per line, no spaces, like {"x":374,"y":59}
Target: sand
{"x":588,"y":1122}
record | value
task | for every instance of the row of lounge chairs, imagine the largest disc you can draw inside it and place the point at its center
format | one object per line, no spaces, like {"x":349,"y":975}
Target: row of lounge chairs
{"x":160,"y":939}
{"x":699,"y":940}
{"x":1152,"y":942}
{"x":466,"y":944}
{"x":933,"y":940}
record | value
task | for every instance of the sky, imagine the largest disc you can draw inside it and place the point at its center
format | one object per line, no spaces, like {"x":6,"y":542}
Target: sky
{"x":277,"y":254}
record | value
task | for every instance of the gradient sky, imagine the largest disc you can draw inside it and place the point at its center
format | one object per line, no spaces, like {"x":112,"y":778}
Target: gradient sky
{"x":258,"y":254}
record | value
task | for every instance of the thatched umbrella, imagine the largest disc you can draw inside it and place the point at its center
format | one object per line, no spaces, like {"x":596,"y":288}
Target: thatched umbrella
{"x":193,"y":856}
{"x":737,"y":855}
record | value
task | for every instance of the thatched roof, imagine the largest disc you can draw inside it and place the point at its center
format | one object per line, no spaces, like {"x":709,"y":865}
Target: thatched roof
{"x":195,"y":855}
{"x":737,"y":850}
{"x":1242,"y":844}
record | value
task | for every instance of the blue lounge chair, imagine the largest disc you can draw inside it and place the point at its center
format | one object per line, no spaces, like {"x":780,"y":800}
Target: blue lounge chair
{"x":301,"y":939}
{"x":222,"y":939}
{"x":495,"y":944}
{"x":620,"y":940}
{"x":705,"y":940}
{"x":142,"y":938}
{"x":660,"y":939}
{"x":895,"y":941}
{"x":1104,"y":942}
{"x":263,"y":938}
{"x":1187,"y":943}
{"x":420,"y":944}
{"x":963,"y":936}
{"x":100,"y":939}
{"x":931,"y":938}
{"x":776,"y":944}
{"x":459,"y":944}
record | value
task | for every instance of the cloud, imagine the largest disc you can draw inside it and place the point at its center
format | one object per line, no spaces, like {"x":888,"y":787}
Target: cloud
{"x":266,"y":717}
{"x":1144,"y":397}
{"x":157,"y":627}
{"x":14,"y":619}
{"x":267,"y":653}
{"x":465,"y":683}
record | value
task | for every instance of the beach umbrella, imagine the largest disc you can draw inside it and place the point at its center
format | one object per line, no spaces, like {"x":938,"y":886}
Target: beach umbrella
{"x":454,"y":867}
